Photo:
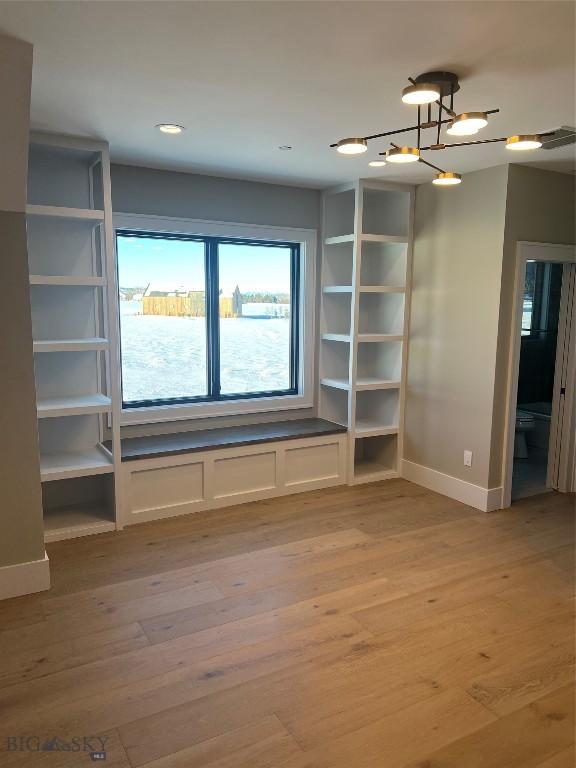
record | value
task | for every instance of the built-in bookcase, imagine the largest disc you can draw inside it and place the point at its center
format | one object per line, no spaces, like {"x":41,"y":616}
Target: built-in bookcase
{"x":70,"y":240}
{"x":365,"y":293}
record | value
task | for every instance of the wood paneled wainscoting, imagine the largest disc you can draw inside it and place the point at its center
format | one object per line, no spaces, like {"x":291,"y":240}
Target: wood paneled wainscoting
{"x":375,"y":626}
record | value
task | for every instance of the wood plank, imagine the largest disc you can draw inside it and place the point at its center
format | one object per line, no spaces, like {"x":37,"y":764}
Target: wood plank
{"x":264,"y":744}
{"x":523,"y":739}
{"x":315,"y":631}
{"x":402,"y":736}
{"x":106,"y":614}
{"x":291,"y":597}
{"x":225,"y":570}
{"x":564,"y":759}
{"x":506,"y":690}
{"x":188,"y":667}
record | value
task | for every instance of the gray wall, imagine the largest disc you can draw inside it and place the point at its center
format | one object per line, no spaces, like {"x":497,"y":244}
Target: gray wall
{"x":463,"y":283}
{"x":539,"y":208}
{"x":187,"y":195}
{"x":15,"y":78}
{"x":192,"y":196}
{"x":21,"y":528}
{"x":458,"y":241}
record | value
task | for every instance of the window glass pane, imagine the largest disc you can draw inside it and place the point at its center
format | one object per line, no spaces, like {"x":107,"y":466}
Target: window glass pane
{"x":254,"y":318}
{"x":162,"y":318}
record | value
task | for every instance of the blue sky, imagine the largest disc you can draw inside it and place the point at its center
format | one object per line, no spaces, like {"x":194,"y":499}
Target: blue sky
{"x":172,"y":263}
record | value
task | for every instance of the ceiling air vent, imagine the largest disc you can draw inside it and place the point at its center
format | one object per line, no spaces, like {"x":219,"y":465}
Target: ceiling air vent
{"x":560,"y":138}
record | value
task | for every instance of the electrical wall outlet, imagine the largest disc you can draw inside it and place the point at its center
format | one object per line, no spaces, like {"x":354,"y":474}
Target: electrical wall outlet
{"x":467,"y":458}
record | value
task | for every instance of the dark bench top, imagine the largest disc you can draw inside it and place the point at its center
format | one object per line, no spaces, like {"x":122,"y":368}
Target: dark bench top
{"x":155,"y":446}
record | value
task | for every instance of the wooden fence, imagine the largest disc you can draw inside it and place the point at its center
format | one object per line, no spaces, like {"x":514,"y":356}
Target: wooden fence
{"x":186,"y":306}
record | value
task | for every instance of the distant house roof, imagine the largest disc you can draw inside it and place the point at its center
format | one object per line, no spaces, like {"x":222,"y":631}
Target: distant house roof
{"x":168,"y":289}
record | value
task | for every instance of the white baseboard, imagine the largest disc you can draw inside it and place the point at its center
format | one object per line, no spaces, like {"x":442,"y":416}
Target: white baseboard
{"x":24,"y":578}
{"x":484,"y":499}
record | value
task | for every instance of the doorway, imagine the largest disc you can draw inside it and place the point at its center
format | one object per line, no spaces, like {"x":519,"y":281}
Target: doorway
{"x":540,"y":444}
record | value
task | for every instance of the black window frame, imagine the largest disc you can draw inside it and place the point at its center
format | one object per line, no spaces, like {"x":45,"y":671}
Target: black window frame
{"x":212,"y":288}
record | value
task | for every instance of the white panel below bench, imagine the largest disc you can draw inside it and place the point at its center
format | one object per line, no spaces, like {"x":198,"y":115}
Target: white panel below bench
{"x":191,"y":482}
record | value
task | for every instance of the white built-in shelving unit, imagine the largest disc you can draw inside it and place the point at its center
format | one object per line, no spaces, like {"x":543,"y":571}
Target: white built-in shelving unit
{"x":366,"y":263}
{"x":72,"y":282}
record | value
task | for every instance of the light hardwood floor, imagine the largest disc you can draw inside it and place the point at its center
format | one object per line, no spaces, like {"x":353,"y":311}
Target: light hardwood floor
{"x":382,"y":626}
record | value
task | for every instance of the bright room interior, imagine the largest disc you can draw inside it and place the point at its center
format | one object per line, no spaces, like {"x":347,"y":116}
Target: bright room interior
{"x":288,"y":421}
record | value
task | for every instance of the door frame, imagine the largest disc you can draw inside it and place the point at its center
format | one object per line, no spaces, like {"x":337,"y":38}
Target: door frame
{"x":525,"y":251}
{"x":562,"y":426}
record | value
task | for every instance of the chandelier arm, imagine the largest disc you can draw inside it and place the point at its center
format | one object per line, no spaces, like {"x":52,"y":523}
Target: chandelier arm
{"x":413,"y":128}
{"x":482,"y":141}
{"x":466,"y":143}
{"x":431,"y":165}
{"x":389,"y":133}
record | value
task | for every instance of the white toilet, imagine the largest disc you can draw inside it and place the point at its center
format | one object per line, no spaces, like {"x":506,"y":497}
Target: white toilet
{"x":525,"y":422}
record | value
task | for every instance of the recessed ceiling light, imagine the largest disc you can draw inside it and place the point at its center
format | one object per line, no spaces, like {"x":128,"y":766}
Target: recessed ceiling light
{"x":403,"y":155}
{"x":421,"y":93}
{"x":285,"y":147}
{"x":447,"y":179}
{"x":170,"y":128}
{"x":352,"y":146}
{"x":467,"y":124}
{"x":377,"y":163}
{"x":520,"y":143}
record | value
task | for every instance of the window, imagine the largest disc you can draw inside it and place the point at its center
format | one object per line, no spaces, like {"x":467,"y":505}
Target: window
{"x":207,"y":319}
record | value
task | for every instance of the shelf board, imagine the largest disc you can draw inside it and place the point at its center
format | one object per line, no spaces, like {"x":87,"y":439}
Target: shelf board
{"x":339,"y":239}
{"x":382,"y":289}
{"x":372,"y":382}
{"x":56,"y":211}
{"x":371,"y":472}
{"x":70,"y":345}
{"x":383,"y":238}
{"x":373,"y":337}
{"x":365,"y":428}
{"x":336,"y":337}
{"x":337,"y":289}
{"x":51,"y":407}
{"x":67,"y":280}
{"x":60,"y":466}
{"x":74,"y":521}
{"x":336,"y":383}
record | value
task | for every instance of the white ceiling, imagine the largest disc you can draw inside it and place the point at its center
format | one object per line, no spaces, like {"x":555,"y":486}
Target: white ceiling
{"x":245,"y":77}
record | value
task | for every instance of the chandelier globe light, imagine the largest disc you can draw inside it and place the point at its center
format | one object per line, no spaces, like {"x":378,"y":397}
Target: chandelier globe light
{"x":403,"y":155}
{"x":435,"y":91}
{"x":522,"y":143}
{"x":353,"y":146}
{"x":467,"y":124}
{"x":447,"y":179}
{"x":421,"y":93}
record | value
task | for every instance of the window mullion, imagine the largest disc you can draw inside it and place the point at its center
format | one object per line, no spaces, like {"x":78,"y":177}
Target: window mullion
{"x":213,"y":318}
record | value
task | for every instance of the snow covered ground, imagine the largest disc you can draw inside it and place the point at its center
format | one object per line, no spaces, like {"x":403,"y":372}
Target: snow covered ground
{"x":165,"y":357}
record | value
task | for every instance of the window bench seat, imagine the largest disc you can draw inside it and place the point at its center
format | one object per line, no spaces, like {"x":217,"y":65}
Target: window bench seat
{"x":166,"y":475}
